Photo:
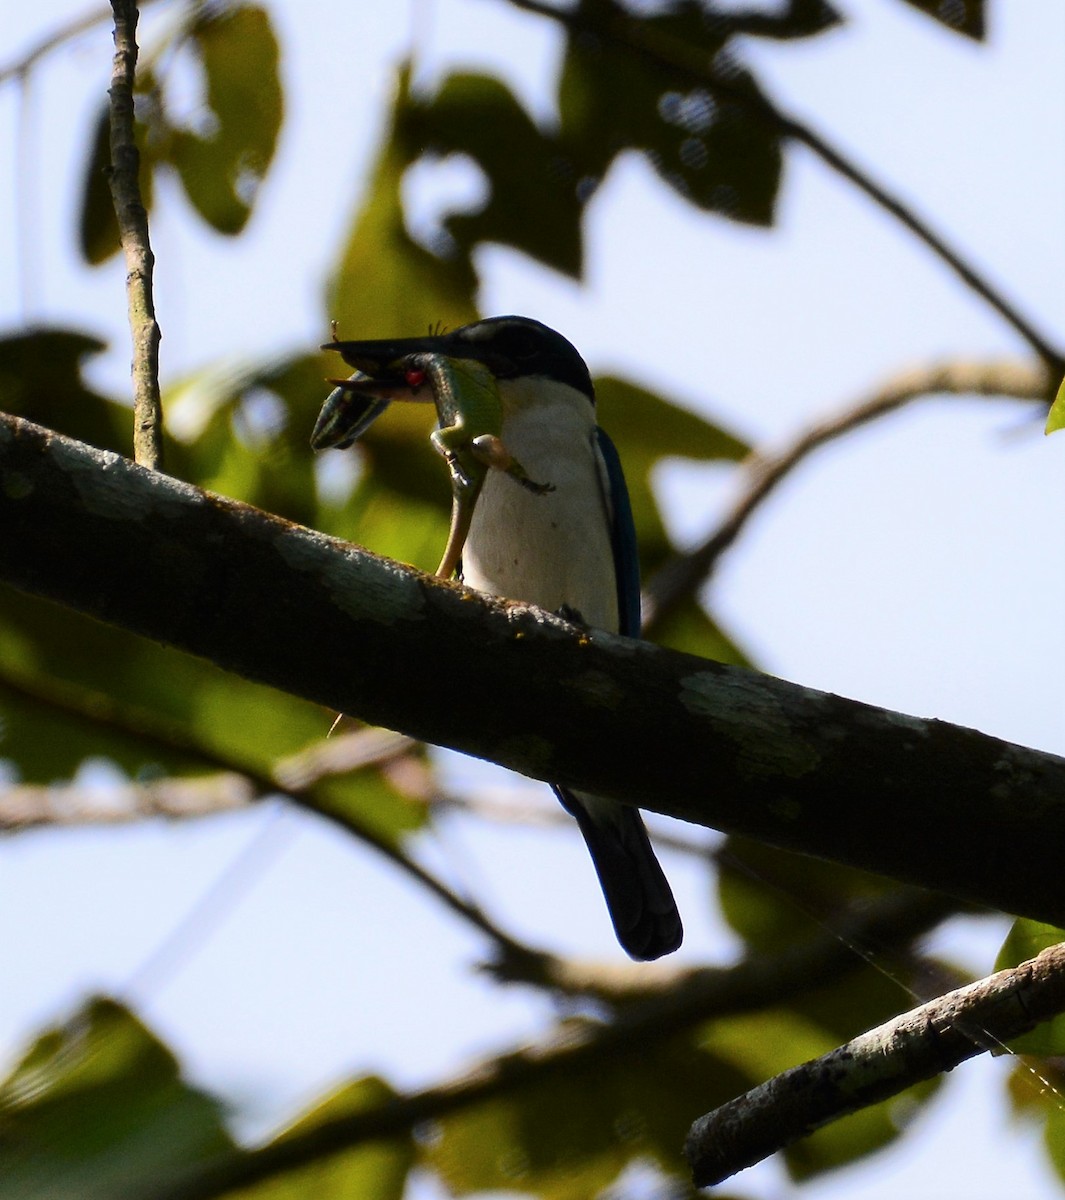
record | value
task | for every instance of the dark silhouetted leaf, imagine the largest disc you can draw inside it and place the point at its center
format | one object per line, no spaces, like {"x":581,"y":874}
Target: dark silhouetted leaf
{"x":963,"y":16}
{"x":691,"y":629}
{"x":97,"y":1109}
{"x":706,"y":145}
{"x":800,"y":18}
{"x":222,"y":162}
{"x":534,"y":204}
{"x":40,"y":379}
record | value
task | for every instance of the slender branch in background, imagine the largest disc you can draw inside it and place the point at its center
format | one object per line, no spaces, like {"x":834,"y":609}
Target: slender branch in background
{"x":21,"y":67}
{"x":637,"y":1027}
{"x":27,"y":806}
{"x":918,"y":1045}
{"x":172,"y":738}
{"x":133,"y":229}
{"x":891,"y":923}
{"x":666,"y":51}
{"x":763,"y":470}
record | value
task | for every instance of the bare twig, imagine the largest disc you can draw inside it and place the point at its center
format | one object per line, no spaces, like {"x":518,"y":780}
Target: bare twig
{"x":339,"y":755}
{"x":691,"y":62}
{"x":918,"y":1045}
{"x":27,"y":806}
{"x":763,"y":470}
{"x":133,"y":229}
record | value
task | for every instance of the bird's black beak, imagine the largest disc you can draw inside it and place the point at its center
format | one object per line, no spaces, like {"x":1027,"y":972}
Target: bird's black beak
{"x":383,"y":358}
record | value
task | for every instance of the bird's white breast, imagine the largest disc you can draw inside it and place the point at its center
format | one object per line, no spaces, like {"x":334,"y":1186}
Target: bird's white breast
{"x":555,"y":549}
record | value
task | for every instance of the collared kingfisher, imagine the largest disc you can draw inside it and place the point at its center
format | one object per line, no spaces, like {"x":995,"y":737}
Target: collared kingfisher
{"x":568,"y":546}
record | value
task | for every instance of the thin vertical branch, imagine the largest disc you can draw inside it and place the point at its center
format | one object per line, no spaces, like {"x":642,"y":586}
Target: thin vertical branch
{"x":133,"y":229}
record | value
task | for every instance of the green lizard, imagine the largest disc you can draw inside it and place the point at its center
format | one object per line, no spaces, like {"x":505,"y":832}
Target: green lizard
{"x":470,"y":416}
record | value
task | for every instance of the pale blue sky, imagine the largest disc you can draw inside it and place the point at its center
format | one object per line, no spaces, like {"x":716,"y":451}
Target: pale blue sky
{"x":918,"y":565}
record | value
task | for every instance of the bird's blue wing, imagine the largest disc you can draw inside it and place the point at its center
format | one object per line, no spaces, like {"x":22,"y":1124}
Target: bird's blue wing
{"x":623,"y":539}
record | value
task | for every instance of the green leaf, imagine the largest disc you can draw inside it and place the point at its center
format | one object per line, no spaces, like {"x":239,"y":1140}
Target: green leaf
{"x":775,"y":898}
{"x":1056,"y":416}
{"x":569,"y":1135}
{"x":223,"y":168}
{"x":243,"y":431}
{"x":1054,"y":1135}
{"x":534,"y":204}
{"x":90,"y":674}
{"x":97,"y":1109}
{"x":377,"y":1171}
{"x":387,"y":285}
{"x":962,"y":16}
{"x":1025,"y":940}
{"x":709,"y":147}
{"x":223,"y":161}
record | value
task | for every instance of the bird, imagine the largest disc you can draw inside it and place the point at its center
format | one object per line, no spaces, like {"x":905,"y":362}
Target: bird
{"x":569,"y":547}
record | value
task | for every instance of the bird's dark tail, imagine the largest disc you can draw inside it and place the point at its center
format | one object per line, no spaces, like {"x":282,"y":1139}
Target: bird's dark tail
{"x":636,"y":891}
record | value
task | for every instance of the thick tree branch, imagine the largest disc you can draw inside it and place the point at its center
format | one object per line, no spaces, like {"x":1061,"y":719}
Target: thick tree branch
{"x":918,"y":800}
{"x":133,"y":230}
{"x":918,"y":1045}
{"x":763,"y":470}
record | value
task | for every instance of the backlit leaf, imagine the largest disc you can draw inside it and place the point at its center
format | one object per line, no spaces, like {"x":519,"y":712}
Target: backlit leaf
{"x":534,"y":203}
{"x":97,"y":1109}
{"x":387,"y":285}
{"x":1025,"y":940}
{"x":376,"y":1170}
{"x":223,"y":165}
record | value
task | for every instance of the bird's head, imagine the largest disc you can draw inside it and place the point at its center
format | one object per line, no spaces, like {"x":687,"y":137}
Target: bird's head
{"x":513,"y":348}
